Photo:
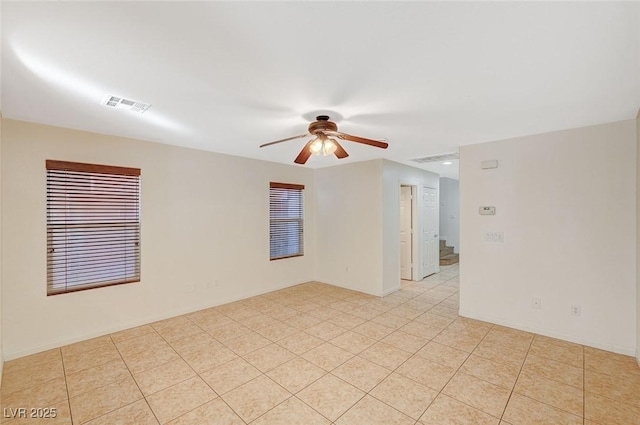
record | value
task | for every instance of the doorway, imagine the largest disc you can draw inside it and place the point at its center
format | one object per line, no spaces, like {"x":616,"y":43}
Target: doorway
{"x":407,"y":205}
{"x":430,"y":223}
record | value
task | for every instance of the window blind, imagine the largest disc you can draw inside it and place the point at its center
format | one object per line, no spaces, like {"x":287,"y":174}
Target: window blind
{"x":286,"y":214}
{"x":93,"y":226}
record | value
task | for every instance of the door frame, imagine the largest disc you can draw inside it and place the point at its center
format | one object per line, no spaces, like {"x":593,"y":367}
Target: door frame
{"x":416,"y":234}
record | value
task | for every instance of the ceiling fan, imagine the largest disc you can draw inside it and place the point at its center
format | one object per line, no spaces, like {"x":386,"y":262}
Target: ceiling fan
{"x":322,"y":144}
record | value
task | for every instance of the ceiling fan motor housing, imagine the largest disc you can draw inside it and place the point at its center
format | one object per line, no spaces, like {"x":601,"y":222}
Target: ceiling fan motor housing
{"x":322,"y":124}
{"x":322,"y":128}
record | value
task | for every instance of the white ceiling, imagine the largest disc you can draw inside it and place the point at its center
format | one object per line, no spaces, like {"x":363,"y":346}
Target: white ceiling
{"x":227,"y":77}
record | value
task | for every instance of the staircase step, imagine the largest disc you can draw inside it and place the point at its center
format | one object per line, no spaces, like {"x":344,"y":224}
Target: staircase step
{"x":447,"y":260}
{"x":442,"y":243}
{"x":446,"y":251}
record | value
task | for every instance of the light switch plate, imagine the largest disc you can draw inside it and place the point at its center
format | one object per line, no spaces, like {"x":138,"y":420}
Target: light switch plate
{"x":494,"y":236}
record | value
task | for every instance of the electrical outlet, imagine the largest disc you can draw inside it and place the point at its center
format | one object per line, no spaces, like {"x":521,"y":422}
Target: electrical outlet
{"x":536,"y":303}
{"x":576,"y":310}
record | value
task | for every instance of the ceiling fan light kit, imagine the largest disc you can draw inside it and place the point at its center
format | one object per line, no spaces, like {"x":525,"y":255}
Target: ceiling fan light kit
{"x":322,"y":144}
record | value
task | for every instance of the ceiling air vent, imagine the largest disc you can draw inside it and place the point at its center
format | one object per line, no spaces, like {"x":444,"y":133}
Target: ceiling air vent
{"x":437,"y":158}
{"x":122,"y":103}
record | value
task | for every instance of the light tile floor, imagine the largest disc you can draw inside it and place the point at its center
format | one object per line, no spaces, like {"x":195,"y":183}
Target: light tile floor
{"x":317,"y":354}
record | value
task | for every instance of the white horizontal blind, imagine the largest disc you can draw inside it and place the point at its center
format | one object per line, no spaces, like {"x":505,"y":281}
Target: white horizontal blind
{"x":286,"y":214}
{"x":93,"y":226}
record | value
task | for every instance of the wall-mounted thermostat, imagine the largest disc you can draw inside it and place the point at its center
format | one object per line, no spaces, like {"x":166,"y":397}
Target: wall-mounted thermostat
{"x":487,"y":210}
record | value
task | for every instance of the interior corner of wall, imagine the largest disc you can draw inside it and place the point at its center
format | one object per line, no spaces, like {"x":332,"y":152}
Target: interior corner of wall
{"x":390,"y":291}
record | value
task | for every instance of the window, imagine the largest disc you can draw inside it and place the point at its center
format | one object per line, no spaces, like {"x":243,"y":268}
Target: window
{"x":286,"y":214}
{"x":93,"y":226}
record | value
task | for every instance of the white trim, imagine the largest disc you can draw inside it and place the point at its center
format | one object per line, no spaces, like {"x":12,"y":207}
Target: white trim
{"x":547,"y":332}
{"x":415,"y":237}
{"x":391,"y":290}
{"x":422,"y":221}
{"x":145,"y":321}
{"x":351,"y":288}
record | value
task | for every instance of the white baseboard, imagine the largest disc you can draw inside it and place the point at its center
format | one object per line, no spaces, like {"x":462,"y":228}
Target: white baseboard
{"x":549,"y":332}
{"x":352,"y":288}
{"x":140,"y":322}
{"x":391,"y":290}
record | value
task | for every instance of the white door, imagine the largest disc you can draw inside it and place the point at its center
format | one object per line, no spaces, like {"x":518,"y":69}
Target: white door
{"x":430,"y":223}
{"x":406,"y":242}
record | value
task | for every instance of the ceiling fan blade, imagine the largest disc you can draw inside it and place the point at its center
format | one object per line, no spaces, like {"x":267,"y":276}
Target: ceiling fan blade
{"x":304,"y":154}
{"x":340,"y":152}
{"x":344,"y":136}
{"x":285,"y":140}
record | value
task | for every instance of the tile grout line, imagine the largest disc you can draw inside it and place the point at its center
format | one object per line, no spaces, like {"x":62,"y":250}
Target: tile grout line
{"x":261,"y":374}
{"x":134,"y":380}
{"x":424,"y":345}
{"x":468,"y":356}
{"x":102,"y":386}
{"x":155,"y":331}
{"x":584,"y":387}
{"x":458,"y":369}
{"x":517,"y":378}
{"x":405,"y":301}
{"x":522,"y":366}
{"x":163,"y":364}
{"x":64,"y":371}
{"x":190,"y":367}
{"x":544,"y":402}
{"x":401,"y":364}
{"x":355,"y":355}
{"x":200,"y":376}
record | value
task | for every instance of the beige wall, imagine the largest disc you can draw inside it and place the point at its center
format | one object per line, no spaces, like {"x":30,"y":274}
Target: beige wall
{"x":205,"y":235}
{"x":1,"y":320}
{"x":563,"y":200}
{"x":349,"y":226}
{"x":1,"y":309}
{"x":638,"y":237}
{"x":566,"y":202}
{"x":394,"y":175}
{"x":358,"y":223}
